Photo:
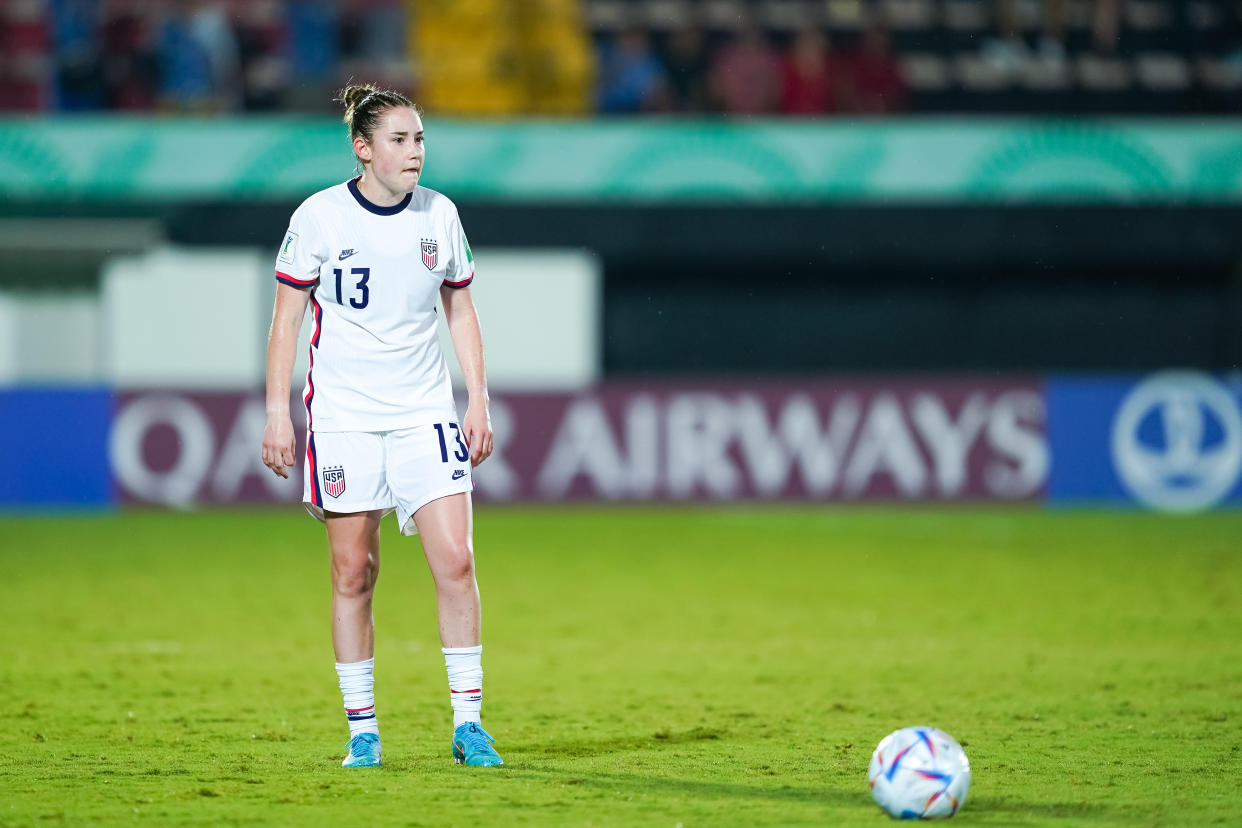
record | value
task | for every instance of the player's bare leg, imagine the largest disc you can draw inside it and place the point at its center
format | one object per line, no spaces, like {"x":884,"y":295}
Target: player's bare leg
{"x":445,"y":526}
{"x":354,"y":543}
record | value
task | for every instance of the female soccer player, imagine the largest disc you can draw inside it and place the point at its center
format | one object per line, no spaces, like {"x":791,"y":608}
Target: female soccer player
{"x":371,"y":256}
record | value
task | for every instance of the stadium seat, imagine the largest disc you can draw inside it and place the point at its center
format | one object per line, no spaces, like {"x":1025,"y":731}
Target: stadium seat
{"x":980,"y":74}
{"x":844,"y":15}
{"x":1103,"y":74}
{"x":662,"y":15}
{"x":926,"y":72}
{"x":907,"y":15}
{"x":1218,"y":74}
{"x":724,"y":15}
{"x":1162,"y":71}
{"x":1147,"y":15}
{"x":609,"y":15}
{"x":1040,"y":75}
{"x":967,"y":16}
{"x":788,"y":15}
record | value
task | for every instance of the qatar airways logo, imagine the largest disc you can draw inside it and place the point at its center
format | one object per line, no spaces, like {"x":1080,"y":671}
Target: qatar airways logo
{"x":860,"y":440}
{"x":906,"y":445}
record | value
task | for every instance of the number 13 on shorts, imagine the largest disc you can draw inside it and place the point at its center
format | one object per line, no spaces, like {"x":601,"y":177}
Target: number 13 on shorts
{"x":461,"y":452}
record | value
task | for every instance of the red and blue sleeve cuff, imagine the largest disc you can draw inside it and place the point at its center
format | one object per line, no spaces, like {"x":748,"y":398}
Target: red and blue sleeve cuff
{"x":285,"y":278}
{"x":460,"y":284}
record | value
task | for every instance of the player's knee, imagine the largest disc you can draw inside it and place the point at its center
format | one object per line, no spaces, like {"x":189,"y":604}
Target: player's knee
{"x":354,"y":579}
{"x":457,"y":565}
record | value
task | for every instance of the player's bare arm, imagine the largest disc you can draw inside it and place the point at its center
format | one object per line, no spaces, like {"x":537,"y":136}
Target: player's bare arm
{"x":279,"y":451}
{"x":463,"y":324}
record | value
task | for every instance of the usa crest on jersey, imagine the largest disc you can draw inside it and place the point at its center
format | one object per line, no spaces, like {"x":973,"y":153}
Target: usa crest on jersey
{"x":431,"y":253}
{"x":334,"y":481}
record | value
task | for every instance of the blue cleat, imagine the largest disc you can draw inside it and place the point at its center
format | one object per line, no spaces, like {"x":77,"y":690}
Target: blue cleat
{"x":364,"y":751}
{"x":472,"y":745}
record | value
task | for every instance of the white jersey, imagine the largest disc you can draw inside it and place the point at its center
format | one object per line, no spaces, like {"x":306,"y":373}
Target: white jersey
{"x":374,"y":274}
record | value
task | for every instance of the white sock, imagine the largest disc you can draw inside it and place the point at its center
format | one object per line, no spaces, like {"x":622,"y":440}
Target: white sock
{"x":465,"y":674}
{"x":357,"y":688}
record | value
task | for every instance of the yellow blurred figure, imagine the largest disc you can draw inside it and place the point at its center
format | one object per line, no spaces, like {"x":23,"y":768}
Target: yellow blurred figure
{"x":502,"y":57}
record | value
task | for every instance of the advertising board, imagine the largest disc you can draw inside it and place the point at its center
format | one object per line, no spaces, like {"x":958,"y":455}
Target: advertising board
{"x":855,"y":439}
{"x":1169,"y":441}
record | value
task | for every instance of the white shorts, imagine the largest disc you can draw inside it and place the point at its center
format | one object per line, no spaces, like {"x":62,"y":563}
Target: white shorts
{"x":403,"y":470}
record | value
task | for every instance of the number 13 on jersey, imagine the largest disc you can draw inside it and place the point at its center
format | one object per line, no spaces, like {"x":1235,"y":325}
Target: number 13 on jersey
{"x":360,"y":300}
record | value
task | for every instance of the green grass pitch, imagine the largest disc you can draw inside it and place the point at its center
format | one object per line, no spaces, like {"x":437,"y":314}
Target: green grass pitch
{"x":645,"y":666}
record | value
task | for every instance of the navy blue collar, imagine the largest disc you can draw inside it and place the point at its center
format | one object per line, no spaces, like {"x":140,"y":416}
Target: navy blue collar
{"x":375,"y":208}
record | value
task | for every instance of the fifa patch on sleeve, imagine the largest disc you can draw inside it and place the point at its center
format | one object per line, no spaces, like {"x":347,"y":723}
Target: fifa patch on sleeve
{"x":289,"y":247}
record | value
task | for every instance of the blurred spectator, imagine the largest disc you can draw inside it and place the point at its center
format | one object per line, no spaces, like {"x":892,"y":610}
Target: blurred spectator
{"x":811,"y":78}
{"x":76,"y":37}
{"x":1108,"y":25}
{"x":131,"y":64}
{"x":314,"y":52}
{"x":375,"y":43}
{"x":746,"y":76}
{"x":25,"y":55}
{"x":374,"y":30}
{"x":631,"y":77}
{"x":199,"y":59}
{"x":875,"y":82}
{"x":688,"y":65}
{"x":261,"y":37}
{"x":1053,"y":20}
{"x":1009,"y":49}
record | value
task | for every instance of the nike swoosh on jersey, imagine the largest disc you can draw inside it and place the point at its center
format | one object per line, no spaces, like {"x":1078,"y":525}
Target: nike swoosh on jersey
{"x":345,"y":254}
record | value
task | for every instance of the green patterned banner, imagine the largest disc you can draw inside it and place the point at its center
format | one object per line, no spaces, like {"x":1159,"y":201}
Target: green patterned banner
{"x":637,"y":161}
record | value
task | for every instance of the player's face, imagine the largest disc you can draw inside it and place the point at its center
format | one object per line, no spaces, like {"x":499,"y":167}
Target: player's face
{"x":396,"y":150}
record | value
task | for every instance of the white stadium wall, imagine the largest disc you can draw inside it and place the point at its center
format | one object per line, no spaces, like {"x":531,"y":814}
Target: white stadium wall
{"x":542,"y":316}
{"x":197,"y":319}
{"x":50,"y":337}
{"x":184,"y":317}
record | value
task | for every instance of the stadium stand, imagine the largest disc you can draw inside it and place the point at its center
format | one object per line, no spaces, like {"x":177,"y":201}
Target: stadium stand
{"x":1076,"y":56}
{"x":795,"y":57}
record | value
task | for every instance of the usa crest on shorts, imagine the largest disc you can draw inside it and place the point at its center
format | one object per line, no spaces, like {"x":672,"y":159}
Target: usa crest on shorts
{"x":431,"y":253}
{"x":334,"y":481}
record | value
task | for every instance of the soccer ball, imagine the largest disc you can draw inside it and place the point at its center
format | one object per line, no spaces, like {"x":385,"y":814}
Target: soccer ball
{"x":919,"y":773}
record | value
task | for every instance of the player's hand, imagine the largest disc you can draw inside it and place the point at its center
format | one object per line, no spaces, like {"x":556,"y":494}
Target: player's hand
{"x":478,"y":428}
{"x":279,"y":448}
